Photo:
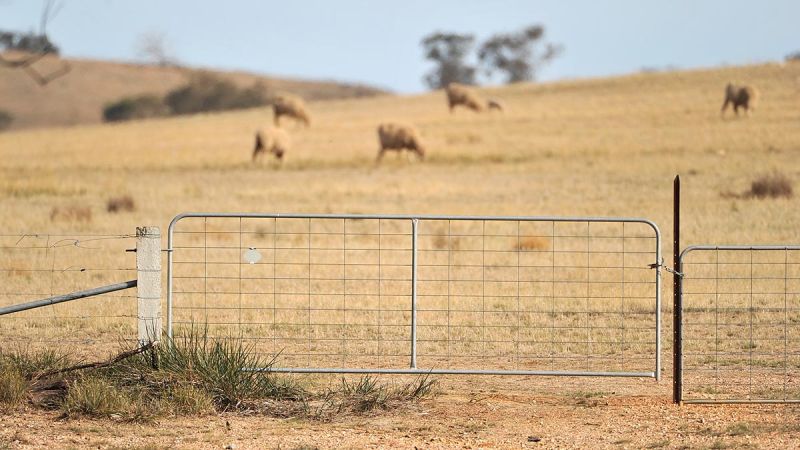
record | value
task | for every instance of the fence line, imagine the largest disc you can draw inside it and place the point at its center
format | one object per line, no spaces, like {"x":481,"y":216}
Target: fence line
{"x":33,"y":266}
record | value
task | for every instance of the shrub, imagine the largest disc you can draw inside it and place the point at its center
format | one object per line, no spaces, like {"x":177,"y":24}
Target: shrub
{"x":5,"y":119}
{"x":131,"y":108}
{"x":120,"y":204}
{"x":206,"y":92}
{"x":773,"y":186}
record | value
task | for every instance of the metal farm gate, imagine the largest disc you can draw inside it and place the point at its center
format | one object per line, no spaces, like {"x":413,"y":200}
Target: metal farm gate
{"x":739,"y":333}
{"x":423,"y":294}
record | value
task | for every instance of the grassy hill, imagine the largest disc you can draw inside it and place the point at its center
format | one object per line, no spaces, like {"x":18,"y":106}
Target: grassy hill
{"x":78,"y":97}
{"x":599,"y":147}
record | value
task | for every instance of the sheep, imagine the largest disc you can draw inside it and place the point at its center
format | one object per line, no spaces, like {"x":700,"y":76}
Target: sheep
{"x":398,"y":137}
{"x":458,"y":94}
{"x":291,"y":106}
{"x":744,"y":96}
{"x":494,"y":103}
{"x":271,"y":140}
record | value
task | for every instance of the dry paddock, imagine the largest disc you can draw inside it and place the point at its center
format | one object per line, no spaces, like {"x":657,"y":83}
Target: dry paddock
{"x":470,"y":412}
{"x":593,"y":147}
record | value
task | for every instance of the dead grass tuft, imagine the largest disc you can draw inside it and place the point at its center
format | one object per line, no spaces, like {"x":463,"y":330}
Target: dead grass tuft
{"x":774,"y":185}
{"x":71,"y":213}
{"x":124,"y":203}
{"x":532,"y":243}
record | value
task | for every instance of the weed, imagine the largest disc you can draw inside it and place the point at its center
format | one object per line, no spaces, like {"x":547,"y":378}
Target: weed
{"x":739,"y":429}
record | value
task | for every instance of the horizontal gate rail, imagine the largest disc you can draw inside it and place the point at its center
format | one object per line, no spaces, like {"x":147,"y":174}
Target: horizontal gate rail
{"x":740,"y":321}
{"x":353,"y":293}
{"x":67,"y":297}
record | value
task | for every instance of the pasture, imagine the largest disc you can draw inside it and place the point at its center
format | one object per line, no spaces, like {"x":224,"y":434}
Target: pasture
{"x":598,"y":147}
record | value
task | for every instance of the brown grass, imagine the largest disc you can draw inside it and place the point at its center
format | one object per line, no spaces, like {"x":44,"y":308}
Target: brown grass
{"x":71,"y":213}
{"x":532,"y":243}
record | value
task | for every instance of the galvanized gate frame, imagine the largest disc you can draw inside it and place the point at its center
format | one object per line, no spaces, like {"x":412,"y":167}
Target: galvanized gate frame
{"x":414,"y":219}
{"x":677,"y":271}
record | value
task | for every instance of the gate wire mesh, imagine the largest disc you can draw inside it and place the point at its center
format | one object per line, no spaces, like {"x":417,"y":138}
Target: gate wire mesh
{"x":493,"y":295}
{"x":741,"y":324}
{"x":36,"y":266}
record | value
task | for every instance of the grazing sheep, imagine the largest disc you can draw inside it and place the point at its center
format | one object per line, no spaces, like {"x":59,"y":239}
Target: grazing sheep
{"x":272,"y":140}
{"x":294,"y":107}
{"x":458,"y":94}
{"x":744,"y":96}
{"x":494,"y":103}
{"x":399,"y":137}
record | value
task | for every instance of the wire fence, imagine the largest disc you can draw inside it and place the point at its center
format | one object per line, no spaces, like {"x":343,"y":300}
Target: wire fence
{"x":36,"y":266}
{"x":447,"y":294}
{"x":741,"y":324}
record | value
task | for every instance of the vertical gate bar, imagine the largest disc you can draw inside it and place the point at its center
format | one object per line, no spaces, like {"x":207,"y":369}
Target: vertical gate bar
{"x":677,"y":301}
{"x":169,"y":282}
{"x":658,"y":305}
{"x":414,"y":224}
{"x":785,"y":323}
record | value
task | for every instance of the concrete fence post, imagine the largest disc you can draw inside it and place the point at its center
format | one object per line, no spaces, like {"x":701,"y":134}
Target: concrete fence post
{"x":148,"y":273}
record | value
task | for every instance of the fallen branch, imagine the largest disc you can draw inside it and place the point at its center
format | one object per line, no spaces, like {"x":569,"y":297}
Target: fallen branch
{"x":98,"y":364}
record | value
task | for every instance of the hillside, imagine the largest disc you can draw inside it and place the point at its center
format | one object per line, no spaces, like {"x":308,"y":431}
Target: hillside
{"x":602,"y":147}
{"x":79,"y":97}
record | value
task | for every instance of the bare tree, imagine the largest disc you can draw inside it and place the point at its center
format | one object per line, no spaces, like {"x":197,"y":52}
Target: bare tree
{"x":34,"y":47}
{"x":516,"y":55}
{"x":153,"y":47}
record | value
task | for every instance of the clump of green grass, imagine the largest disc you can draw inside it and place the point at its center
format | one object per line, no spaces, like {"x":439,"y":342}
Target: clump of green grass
{"x":215,"y":366}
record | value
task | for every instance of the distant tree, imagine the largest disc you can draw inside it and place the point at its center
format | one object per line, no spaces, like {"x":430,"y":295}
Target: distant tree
{"x":27,"y":42}
{"x":5,"y":119}
{"x":32,"y":47}
{"x":449,"y":51}
{"x":515,"y":54}
{"x":794,"y":56}
{"x":153,"y":47}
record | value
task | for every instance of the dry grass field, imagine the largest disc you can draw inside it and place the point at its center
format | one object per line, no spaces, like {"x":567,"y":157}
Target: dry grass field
{"x":599,"y":147}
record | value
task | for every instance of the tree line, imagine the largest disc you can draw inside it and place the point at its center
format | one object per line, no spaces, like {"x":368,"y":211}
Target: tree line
{"x":514,"y":56}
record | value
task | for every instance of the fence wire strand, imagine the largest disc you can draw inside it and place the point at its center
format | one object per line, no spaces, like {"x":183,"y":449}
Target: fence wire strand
{"x":41,"y":265}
